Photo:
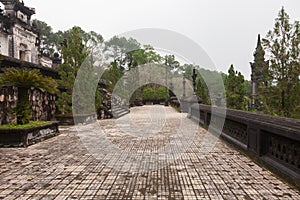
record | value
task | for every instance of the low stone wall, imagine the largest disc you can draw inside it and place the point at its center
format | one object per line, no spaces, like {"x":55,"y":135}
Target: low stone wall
{"x":28,"y":136}
{"x":271,"y":141}
{"x":42,"y":105}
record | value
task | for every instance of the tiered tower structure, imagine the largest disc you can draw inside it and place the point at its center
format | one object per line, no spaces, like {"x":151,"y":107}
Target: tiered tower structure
{"x":258,"y":67}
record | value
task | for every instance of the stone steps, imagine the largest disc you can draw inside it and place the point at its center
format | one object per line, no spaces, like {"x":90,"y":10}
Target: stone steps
{"x":119,"y":111}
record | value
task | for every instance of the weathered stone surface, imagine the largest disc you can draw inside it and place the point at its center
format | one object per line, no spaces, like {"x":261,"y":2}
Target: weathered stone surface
{"x":270,"y":140}
{"x":42,"y":108}
{"x":27,"y":136}
{"x":61,"y":168}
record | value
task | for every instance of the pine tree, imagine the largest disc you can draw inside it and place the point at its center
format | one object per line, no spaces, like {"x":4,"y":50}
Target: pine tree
{"x":235,"y":89}
{"x":113,"y":74}
{"x":202,"y":91}
{"x":75,"y":57}
{"x":283,"y":47}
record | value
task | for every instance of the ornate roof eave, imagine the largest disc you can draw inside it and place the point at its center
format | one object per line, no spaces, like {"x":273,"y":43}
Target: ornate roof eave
{"x":26,"y":10}
{"x":17,"y":5}
{"x":9,"y":22}
{"x":6,"y":61}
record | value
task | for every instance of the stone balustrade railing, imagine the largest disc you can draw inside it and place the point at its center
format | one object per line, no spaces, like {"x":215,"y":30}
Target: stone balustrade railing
{"x":269,"y":140}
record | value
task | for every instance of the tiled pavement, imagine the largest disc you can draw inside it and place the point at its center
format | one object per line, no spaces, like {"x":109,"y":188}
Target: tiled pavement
{"x":63,"y":168}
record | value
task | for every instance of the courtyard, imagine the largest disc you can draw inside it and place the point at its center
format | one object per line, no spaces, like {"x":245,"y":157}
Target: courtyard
{"x":143,"y":155}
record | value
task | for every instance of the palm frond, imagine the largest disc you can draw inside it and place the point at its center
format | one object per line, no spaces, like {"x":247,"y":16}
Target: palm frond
{"x":27,"y":78}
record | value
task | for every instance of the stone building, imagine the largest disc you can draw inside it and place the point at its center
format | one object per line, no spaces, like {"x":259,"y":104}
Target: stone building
{"x":18,"y":37}
{"x":19,"y":47}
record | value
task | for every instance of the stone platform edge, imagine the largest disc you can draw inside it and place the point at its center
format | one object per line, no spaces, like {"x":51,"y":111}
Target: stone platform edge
{"x":28,"y":136}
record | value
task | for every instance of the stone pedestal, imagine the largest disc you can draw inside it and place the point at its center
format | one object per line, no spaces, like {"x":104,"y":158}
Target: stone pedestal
{"x":194,"y":99}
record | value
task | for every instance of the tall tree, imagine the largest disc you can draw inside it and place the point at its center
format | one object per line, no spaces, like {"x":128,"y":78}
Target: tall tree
{"x":113,"y":74}
{"x":48,"y":39}
{"x":172,"y":66}
{"x":74,"y":54}
{"x":202,"y":91}
{"x":151,"y":56}
{"x":120,"y":49}
{"x":235,"y":89}
{"x":53,"y":41}
{"x":188,"y":71}
{"x":171,"y":61}
{"x":145,"y":55}
{"x":283,"y":47}
{"x":76,"y":47}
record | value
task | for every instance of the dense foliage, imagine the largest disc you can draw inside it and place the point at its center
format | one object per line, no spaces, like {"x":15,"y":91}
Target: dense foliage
{"x":202,"y":91}
{"x":154,"y":93}
{"x":75,"y":53}
{"x":235,"y":90}
{"x":280,"y":95}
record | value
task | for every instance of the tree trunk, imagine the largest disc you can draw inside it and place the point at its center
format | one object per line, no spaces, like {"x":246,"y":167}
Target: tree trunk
{"x":23,"y":106}
{"x":283,"y":102}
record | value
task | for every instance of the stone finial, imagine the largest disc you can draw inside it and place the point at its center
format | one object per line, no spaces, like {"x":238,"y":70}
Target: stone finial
{"x":184,"y":89}
{"x":194,"y":79}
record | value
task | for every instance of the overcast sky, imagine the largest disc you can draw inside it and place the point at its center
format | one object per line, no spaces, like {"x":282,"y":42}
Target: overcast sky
{"x":226,"y":29}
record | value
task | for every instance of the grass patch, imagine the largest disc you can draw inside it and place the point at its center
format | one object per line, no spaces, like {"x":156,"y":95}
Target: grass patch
{"x":29,"y":125}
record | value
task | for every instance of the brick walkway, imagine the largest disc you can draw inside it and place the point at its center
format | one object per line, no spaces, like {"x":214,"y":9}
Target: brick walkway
{"x":63,"y":168}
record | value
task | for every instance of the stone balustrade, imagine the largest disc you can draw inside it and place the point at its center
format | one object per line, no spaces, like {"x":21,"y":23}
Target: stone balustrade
{"x":271,"y":141}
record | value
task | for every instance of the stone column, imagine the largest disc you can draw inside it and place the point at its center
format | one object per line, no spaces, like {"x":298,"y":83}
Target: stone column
{"x":28,"y":55}
{"x":184,"y":92}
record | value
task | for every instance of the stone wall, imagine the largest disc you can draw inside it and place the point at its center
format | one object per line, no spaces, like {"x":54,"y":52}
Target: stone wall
{"x":42,"y":104}
{"x":8,"y":100}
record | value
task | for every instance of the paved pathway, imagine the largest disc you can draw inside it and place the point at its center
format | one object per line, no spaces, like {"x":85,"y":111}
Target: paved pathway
{"x":71,"y":166}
